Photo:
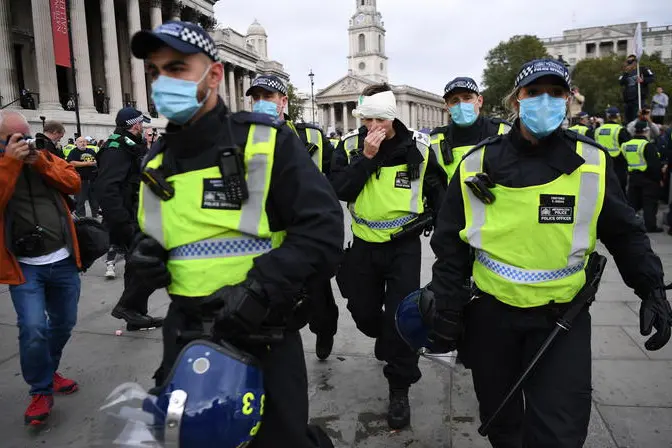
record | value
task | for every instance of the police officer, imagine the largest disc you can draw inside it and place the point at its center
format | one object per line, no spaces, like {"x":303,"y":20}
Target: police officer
{"x":117,"y":186}
{"x":553,"y":191}
{"x":334,"y":139}
{"x":382,"y":171}
{"x":645,"y":171}
{"x":269,"y":95}
{"x":582,"y":125}
{"x":237,"y":218}
{"x":467,"y":126}
{"x":69,"y":147}
{"x":611,"y":135}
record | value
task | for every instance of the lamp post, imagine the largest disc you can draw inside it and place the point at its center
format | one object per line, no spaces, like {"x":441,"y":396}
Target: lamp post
{"x":311,"y":75}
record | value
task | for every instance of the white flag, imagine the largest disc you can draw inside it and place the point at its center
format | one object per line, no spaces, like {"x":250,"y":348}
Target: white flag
{"x":639,"y":45}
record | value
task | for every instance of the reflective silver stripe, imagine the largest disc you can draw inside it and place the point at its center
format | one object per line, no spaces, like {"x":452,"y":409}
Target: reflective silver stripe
{"x":417,"y":183}
{"x":472,"y":164}
{"x":526,"y":276}
{"x":381,"y":225}
{"x":250,"y":215}
{"x":153,"y":219}
{"x":350,"y":143}
{"x":221,"y":247}
{"x":314,"y":137}
{"x":504,"y":128}
{"x":590,"y":154}
{"x":436,"y":147}
{"x":589,"y":191}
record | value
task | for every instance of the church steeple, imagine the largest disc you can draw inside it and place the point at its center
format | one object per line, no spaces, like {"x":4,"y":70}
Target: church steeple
{"x":367,"y":42}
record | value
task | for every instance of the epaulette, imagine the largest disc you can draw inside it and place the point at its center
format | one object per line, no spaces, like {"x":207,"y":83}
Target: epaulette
{"x":307,"y":125}
{"x":129,"y":141}
{"x":351,"y":134}
{"x":257,"y":118}
{"x":486,"y":142}
{"x":439,"y":130}
{"x":421,"y":137}
{"x":575,"y":136}
{"x":498,"y":120}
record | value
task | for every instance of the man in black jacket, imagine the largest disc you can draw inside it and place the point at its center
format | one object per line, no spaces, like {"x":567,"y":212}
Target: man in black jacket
{"x":629,"y":79}
{"x":51,"y":134}
{"x":383,"y":170}
{"x":117,"y":187}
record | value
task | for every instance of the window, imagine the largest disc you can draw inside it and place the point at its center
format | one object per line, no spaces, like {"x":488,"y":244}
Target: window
{"x":382,"y":67}
{"x":380,"y":43}
{"x":362,"y":43}
{"x":362,"y":66}
{"x":658,"y":41}
{"x":362,"y":2}
{"x":571,"y":49}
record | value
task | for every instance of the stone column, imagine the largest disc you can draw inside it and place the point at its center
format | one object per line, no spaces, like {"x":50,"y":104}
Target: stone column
{"x":246,"y":85}
{"x":155,"y":16}
{"x":232,"y":89}
{"x":407,"y":113}
{"x":80,"y":47}
{"x":110,"y":47}
{"x":9,"y":88}
{"x":44,"y":55}
{"x":332,"y":116}
{"x":346,"y":124}
{"x":137,"y":65}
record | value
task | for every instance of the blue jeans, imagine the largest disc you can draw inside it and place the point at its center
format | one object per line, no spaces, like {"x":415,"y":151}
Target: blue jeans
{"x":46,"y":310}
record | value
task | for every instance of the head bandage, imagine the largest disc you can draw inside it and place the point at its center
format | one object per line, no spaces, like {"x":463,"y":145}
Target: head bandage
{"x":381,"y":105}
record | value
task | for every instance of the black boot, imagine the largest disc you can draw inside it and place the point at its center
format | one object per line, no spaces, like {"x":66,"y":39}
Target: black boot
{"x":323,"y":346}
{"x":135,"y":320}
{"x":399,"y":411}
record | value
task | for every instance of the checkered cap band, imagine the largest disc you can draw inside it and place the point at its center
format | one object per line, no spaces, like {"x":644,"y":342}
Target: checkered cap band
{"x":222,"y":247}
{"x":542,"y":67}
{"x":518,"y":275}
{"x":468,"y":84}
{"x":272,"y":82}
{"x":132,"y":121}
{"x":191,"y":34}
{"x":384,"y":225}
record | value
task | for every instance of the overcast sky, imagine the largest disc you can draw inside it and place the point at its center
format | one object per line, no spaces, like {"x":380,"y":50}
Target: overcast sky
{"x":428,"y":42}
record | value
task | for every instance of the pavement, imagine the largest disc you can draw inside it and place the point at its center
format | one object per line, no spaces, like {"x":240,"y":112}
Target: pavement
{"x":632,"y":388}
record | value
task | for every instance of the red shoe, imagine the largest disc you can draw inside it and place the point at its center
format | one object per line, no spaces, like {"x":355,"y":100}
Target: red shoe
{"x":38,"y":409}
{"x":64,"y":385}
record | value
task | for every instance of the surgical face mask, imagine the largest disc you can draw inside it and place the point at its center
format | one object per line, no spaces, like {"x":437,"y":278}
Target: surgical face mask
{"x":542,"y":114}
{"x":265,"y":107}
{"x":463,"y":114}
{"x":177,"y":99}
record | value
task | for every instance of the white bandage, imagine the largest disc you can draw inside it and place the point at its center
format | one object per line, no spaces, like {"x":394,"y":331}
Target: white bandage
{"x":381,"y":105}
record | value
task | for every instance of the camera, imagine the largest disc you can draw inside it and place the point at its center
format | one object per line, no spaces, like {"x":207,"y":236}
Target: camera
{"x":35,"y":143}
{"x":30,"y":244}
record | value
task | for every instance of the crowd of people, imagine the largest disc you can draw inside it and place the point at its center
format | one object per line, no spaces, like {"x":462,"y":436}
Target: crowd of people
{"x":238,"y":217}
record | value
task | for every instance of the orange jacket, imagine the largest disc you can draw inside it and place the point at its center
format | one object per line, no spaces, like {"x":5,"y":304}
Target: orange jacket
{"x":56,"y":172}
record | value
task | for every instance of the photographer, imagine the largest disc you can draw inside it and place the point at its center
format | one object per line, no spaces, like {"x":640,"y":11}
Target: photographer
{"x":652,"y":131}
{"x":39,"y":258}
{"x":52,"y":133}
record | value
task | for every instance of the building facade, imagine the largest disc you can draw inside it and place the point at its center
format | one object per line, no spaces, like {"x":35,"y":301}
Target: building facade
{"x":584,"y":43}
{"x":367,"y":65}
{"x":107,"y":76}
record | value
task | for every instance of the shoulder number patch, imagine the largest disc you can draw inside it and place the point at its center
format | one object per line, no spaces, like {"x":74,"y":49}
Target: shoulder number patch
{"x":556,"y":209}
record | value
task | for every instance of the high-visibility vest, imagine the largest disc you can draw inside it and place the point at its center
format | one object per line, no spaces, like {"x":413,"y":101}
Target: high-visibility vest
{"x":313,"y":136}
{"x":532,"y":244}
{"x":458,"y":152}
{"x":67,"y":149}
{"x":607,"y":136}
{"x":93,"y":148}
{"x":334,"y":142}
{"x":579,"y":129}
{"x":212,"y":243}
{"x":389,"y":199}
{"x":634,"y":154}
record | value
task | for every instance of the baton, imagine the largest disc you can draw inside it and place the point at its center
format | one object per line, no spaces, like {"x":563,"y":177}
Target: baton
{"x":594,"y":270}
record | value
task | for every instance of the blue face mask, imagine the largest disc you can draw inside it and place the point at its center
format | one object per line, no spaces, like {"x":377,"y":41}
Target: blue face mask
{"x":176,"y":99}
{"x":463,"y":114}
{"x":542,"y":114}
{"x":265,"y":107}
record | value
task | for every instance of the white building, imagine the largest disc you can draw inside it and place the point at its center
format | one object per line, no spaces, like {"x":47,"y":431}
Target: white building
{"x":367,"y":65}
{"x":101,"y":33}
{"x":583,"y":43}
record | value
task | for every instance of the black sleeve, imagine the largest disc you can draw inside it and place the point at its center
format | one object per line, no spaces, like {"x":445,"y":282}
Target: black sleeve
{"x":113,"y":167}
{"x":453,"y":256}
{"x":623,"y":136}
{"x":623,"y":79}
{"x":653,"y":164}
{"x":590,"y":133}
{"x":434,"y":185}
{"x":348,"y":179}
{"x":647,"y":75}
{"x":624,"y":236}
{"x":72,"y":157}
{"x":302,"y":202}
{"x":327,"y":154}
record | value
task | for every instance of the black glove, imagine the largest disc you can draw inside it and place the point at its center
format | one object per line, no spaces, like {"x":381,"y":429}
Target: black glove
{"x":446,"y":328}
{"x":655,"y":312}
{"x":239,"y":309}
{"x":148,"y":263}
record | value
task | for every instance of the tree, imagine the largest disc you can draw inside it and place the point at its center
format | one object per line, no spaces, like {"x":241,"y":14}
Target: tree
{"x":502,"y":65}
{"x":598,"y":80}
{"x":295,"y":104}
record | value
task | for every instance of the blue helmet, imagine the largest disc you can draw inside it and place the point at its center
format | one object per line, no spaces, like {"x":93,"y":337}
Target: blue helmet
{"x":414,"y":317}
{"x":214,"y":396}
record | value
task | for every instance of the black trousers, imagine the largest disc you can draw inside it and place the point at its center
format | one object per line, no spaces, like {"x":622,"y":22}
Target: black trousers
{"x":631,"y":110}
{"x":86,"y":194}
{"x":323,"y":317}
{"x":621,"y":169}
{"x":136,"y":294}
{"x":285,"y":421}
{"x":384,"y":274}
{"x":643,"y":195}
{"x":500,"y":340}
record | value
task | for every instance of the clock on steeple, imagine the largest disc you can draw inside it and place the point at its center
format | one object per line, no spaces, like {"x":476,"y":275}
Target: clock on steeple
{"x":367,"y":42}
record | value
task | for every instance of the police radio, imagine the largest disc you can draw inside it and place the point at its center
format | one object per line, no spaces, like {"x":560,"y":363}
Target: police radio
{"x":232,"y":168}
{"x":447,"y":152}
{"x":480,"y":185}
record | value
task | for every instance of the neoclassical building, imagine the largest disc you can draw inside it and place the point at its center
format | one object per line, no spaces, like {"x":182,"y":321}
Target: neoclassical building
{"x":34,"y":75}
{"x":367,"y":65}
